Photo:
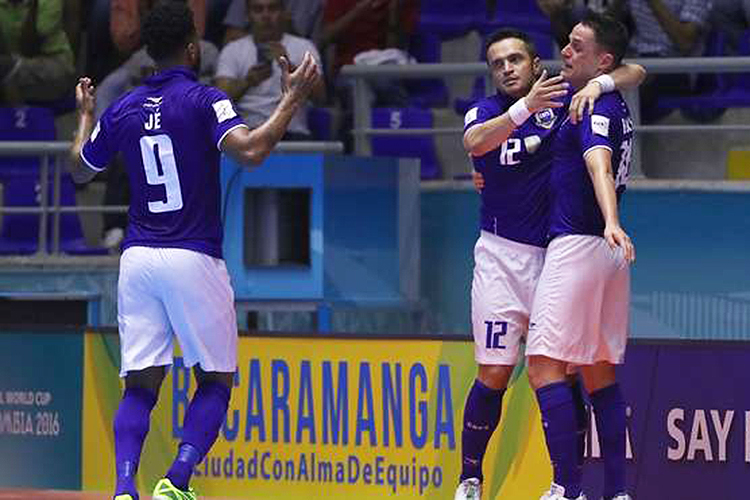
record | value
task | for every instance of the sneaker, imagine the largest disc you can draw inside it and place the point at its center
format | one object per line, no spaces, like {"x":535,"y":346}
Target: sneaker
{"x":124,"y":496}
{"x":622,"y":496}
{"x":165,"y":490}
{"x":557,"y":492}
{"x":469,"y":489}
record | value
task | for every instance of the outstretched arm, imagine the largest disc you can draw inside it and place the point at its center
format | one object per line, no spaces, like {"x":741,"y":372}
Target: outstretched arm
{"x":599,"y":165}
{"x":253,"y":146}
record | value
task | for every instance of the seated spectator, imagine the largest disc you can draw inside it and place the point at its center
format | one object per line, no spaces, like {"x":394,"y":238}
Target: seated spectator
{"x":660,"y":28}
{"x":667,"y":28}
{"x":301,"y":18}
{"x":125,"y":21}
{"x":36,"y":60}
{"x":354,"y":27}
{"x":249,"y":72}
{"x":564,"y":14}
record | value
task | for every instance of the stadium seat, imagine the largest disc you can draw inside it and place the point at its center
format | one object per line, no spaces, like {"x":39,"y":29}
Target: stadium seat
{"x":426,"y":92}
{"x":320,"y":122}
{"x":20,"y":178}
{"x":450,"y":18}
{"x":407,"y":146}
{"x":521,"y":14}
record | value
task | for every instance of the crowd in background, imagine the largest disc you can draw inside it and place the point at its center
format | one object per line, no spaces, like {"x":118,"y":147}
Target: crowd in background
{"x":46,"y":44}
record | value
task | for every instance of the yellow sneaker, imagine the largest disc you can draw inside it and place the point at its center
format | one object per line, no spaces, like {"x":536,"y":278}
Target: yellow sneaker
{"x":165,"y":490}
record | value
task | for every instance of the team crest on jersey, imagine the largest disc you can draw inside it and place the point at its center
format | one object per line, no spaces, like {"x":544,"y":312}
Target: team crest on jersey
{"x":545,"y":118}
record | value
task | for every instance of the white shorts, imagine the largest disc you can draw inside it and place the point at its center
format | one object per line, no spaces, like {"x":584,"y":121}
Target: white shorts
{"x":166,"y":291}
{"x":505,"y":276}
{"x":580,"y":311}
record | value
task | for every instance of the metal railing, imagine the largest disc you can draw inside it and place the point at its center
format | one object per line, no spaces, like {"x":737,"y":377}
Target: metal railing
{"x":53,"y":153}
{"x":361,"y":75}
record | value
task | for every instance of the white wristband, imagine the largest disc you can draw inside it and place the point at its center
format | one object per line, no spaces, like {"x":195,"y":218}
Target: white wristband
{"x":519,"y":113}
{"x":605,"y":82}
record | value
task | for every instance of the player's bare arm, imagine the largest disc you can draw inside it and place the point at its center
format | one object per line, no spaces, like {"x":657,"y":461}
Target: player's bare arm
{"x":253,"y":146}
{"x":86,"y":102}
{"x":489,"y":135}
{"x":626,"y":76}
{"x":599,"y":165}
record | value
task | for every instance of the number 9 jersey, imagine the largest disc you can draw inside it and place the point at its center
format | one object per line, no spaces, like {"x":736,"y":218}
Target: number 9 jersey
{"x":515,"y":199}
{"x":169,"y":131}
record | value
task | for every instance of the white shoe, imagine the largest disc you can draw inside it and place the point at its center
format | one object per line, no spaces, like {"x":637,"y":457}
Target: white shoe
{"x":469,"y":489}
{"x":557,"y":492}
{"x":622,"y":496}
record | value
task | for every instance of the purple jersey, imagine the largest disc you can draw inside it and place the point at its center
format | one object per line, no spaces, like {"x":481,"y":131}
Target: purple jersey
{"x":515,"y":197}
{"x":169,"y":131}
{"x":574,"y":206}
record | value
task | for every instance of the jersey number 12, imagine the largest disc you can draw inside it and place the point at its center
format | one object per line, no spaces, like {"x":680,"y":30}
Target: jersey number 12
{"x":156,"y":151}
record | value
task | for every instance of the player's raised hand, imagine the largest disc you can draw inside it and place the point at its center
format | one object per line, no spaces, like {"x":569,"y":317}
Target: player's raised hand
{"x":301,"y":80}
{"x":584,"y":99}
{"x":617,"y":237}
{"x":85,"y":98}
{"x":546,"y":92}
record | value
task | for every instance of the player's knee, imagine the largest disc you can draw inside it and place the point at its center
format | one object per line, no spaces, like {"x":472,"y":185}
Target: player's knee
{"x":494,"y":376}
{"x":543,"y":371}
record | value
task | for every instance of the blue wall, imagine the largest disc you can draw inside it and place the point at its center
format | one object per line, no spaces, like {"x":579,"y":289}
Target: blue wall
{"x":691,"y":278}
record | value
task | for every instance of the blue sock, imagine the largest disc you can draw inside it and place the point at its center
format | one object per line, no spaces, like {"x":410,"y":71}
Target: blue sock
{"x":560,"y":430}
{"x":131,"y":426}
{"x":609,"y":411}
{"x":582,"y":419}
{"x":203,"y":420}
{"x":481,"y":416}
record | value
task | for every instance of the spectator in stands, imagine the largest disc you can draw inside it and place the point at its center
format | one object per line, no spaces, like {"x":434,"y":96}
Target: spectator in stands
{"x":36,"y":60}
{"x":352,"y":27}
{"x":249,"y":72}
{"x":355,"y":26}
{"x":301,"y":17}
{"x":564,"y":14}
{"x":660,"y":28}
{"x":125,"y":21}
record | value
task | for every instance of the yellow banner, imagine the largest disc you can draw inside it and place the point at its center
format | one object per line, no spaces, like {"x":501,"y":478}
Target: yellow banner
{"x":334,"y":418}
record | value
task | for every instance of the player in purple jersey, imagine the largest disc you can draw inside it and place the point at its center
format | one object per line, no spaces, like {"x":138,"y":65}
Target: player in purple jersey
{"x":509,"y":136}
{"x":173,"y":281}
{"x":579,"y":315}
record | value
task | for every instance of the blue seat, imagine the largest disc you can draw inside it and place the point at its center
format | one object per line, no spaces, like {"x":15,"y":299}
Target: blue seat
{"x":426,"y":92}
{"x":521,"y":14}
{"x":20,"y":177}
{"x":450,"y":18}
{"x":408,"y":146}
{"x":320,"y":123}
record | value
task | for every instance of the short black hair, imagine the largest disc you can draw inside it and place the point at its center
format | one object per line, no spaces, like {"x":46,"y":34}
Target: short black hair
{"x":503,"y":33}
{"x":609,"y":33}
{"x":167,"y":29}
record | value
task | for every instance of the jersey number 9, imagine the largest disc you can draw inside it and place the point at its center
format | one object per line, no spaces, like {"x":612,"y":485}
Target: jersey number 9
{"x":157,"y":150}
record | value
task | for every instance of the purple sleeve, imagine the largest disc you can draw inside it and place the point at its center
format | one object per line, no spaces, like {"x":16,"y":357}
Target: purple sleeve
{"x":221,"y":115}
{"x":478,"y":113}
{"x":598,"y":130}
{"x":97,"y":151}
